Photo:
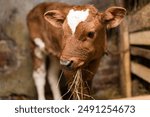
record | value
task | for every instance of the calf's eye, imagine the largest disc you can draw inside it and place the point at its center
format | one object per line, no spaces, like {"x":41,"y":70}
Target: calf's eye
{"x":90,"y":34}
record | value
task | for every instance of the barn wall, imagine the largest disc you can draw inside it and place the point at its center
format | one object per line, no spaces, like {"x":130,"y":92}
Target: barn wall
{"x":140,"y":20}
{"x":139,"y":23}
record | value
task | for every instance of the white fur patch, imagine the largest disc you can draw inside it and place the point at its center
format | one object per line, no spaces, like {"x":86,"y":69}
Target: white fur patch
{"x":39,"y":42}
{"x":39,"y":79}
{"x":38,"y":53}
{"x":75,"y":17}
{"x":39,"y":50}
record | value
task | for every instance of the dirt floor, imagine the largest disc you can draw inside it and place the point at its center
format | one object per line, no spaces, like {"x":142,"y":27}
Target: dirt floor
{"x":106,"y":90}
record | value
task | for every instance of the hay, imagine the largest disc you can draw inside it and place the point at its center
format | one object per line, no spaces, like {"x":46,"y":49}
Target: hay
{"x":77,"y":87}
{"x":78,"y":92}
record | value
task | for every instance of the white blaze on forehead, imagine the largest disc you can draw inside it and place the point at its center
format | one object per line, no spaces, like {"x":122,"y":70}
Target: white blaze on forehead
{"x":75,"y":17}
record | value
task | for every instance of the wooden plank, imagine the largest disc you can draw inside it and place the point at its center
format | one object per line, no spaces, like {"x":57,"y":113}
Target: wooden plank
{"x":139,"y":20}
{"x":141,"y":71}
{"x":140,"y":38}
{"x":137,"y":51}
{"x":144,"y":97}
{"x":125,"y":60}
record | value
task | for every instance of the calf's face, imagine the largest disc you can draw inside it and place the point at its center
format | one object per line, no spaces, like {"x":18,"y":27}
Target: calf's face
{"x":84,"y":37}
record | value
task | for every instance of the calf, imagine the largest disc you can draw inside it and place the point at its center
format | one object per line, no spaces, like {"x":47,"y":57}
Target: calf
{"x":73,"y":37}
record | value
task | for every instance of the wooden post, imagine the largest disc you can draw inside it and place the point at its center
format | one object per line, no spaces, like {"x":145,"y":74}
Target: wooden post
{"x":125,"y":60}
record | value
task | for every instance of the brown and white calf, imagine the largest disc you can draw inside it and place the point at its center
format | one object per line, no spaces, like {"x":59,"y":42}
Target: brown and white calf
{"x":71,"y":36}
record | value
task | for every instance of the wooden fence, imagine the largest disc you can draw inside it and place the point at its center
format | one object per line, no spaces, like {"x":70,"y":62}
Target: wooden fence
{"x":135,"y":41}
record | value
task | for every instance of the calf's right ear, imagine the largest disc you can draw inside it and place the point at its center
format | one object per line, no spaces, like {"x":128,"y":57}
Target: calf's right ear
{"x":55,"y":18}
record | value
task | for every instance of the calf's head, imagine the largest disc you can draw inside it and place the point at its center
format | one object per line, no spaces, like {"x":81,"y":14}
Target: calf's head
{"x":84,"y":32}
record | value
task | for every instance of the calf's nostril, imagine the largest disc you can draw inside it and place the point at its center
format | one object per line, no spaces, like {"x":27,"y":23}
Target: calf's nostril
{"x":70,"y":64}
{"x":66,"y":63}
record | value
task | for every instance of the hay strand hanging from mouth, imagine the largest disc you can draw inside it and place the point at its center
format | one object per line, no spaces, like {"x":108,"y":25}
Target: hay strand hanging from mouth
{"x":78,"y":92}
{"x":78,"y":87}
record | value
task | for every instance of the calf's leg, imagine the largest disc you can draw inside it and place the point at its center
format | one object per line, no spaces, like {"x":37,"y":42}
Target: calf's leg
{"x":39,"y":72}
{"x":53,"y":75}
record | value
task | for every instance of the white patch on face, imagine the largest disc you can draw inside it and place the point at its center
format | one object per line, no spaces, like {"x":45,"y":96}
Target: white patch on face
{"x":75,"y":17}
{"x":39,"y":42}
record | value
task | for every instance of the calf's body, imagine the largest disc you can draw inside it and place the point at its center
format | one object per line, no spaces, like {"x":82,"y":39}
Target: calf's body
{"x":73,"y":38}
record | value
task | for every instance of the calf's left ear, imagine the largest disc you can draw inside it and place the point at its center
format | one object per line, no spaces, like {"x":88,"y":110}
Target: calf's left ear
{"x":55,"y":18}
{"x":113,"y":16}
